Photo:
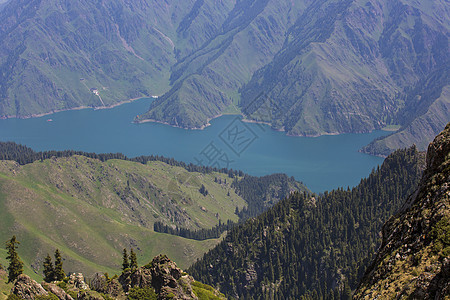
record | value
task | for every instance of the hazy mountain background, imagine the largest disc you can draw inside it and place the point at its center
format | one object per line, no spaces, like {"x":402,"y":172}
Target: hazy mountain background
{"x":325,"y":67}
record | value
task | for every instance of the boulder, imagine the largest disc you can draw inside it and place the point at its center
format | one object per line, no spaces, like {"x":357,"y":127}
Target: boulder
{"x":98,"y":282}
{"x":27,"y":288}
{"x":114,"y":288}
{"x":57,"y":291}
{"x":78,"y":281}
{"x":89,"y":295}
{"x":163,"y":276}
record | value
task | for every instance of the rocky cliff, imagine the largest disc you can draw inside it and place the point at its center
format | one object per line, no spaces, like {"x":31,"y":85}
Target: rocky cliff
{"x":413,"y":260}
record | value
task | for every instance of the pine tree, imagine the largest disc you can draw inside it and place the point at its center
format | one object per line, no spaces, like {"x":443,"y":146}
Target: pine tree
{"x":59,"y":272}
{"x":15,"y":264}
{"x":125,"y":264}
{"x":133,"y":260}
{"x":49,"y":272}
{"x":347,"y":292}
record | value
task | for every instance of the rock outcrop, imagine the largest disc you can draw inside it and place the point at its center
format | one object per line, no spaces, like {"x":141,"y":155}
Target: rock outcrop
{"x":414,"y":258}
{"x":27,"y":288}
{"x":78,"y":281}
{"x":163,"y":276}
{"x":56,"y":290}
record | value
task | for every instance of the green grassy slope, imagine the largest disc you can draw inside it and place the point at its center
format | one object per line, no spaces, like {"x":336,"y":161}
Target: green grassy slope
{"x":5,"y":288}
{"x":91,"y":210}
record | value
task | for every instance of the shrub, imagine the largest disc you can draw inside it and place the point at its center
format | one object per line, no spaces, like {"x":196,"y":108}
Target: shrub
{"x":142,"y":294}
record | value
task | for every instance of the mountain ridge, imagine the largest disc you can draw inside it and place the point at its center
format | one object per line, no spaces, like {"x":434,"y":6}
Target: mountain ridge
{"x":413,"y":260}
{"x":85,"y":206}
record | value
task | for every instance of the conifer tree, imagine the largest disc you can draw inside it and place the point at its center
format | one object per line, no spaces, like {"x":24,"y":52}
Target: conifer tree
{"x":133,"y":260}
{"x":347,"y":292}
{"x":125,"y":263}
{"x":15,"y":264}
{"x":59,"y":272}
{"x":49,"y":271}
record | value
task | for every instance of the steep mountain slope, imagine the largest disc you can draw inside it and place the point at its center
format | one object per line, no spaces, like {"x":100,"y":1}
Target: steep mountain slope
{"x":413,"y":260}
{"x":87,"y":208}
{"x":206,"y":82}
{"x":425,"y":116}
{"x":309,"y":245}
{"x":323,"y":67}
{"x":341,"y":66}
{"x":346,"y":65}
{"x":55,"y":54}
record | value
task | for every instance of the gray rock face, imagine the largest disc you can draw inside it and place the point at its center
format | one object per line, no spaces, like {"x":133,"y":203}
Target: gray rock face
{"x":27,"y":288}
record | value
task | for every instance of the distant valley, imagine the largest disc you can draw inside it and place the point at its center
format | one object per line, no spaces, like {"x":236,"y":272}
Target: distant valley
{"x":306,"y":67}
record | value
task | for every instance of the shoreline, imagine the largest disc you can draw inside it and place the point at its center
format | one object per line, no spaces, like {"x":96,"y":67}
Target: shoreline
{"x":70,"y":109}
{"x":253,"y":122}
{"x":186,"y":128}
{"x":177,"y":126}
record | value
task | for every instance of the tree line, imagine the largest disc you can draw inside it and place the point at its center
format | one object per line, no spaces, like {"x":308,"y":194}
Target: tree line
{"x":199,"y":234}
{"x":24,"y":155}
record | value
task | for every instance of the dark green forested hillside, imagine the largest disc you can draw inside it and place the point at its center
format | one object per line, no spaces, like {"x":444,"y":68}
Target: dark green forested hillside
{"x":309,"y":245}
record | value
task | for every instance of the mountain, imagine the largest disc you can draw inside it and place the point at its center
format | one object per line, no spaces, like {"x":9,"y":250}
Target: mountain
{"x":88,"y":205}
{"x":329,"y":67}
{"x":306,"y":67}
{"x":310,"y":245}
{"x":206,"y":82}
{"x":424,"y":118}
{"x":57,"y":55}
{"x":413,"y":260}
{"x":346,"y":66}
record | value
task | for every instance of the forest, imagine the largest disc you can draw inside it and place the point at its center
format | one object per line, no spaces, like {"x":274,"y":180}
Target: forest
{"x":312,"y":246}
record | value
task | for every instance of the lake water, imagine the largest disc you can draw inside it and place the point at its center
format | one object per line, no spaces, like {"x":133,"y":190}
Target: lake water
{"x":322,"y":163}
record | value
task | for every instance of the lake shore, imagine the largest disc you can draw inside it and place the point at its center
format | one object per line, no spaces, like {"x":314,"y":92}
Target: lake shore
{"x":250,"y":122}
{"x":72,"y":109}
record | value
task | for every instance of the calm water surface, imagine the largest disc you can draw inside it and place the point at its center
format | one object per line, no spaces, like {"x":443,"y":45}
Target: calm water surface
{"x":322,"y":163}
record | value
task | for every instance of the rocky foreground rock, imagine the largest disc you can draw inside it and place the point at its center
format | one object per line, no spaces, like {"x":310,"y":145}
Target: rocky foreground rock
{"x":27,"y":288}
{"x":161,"y":275}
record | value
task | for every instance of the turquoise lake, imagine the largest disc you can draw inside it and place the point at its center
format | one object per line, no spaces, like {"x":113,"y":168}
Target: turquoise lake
{"x":322,"y":163}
